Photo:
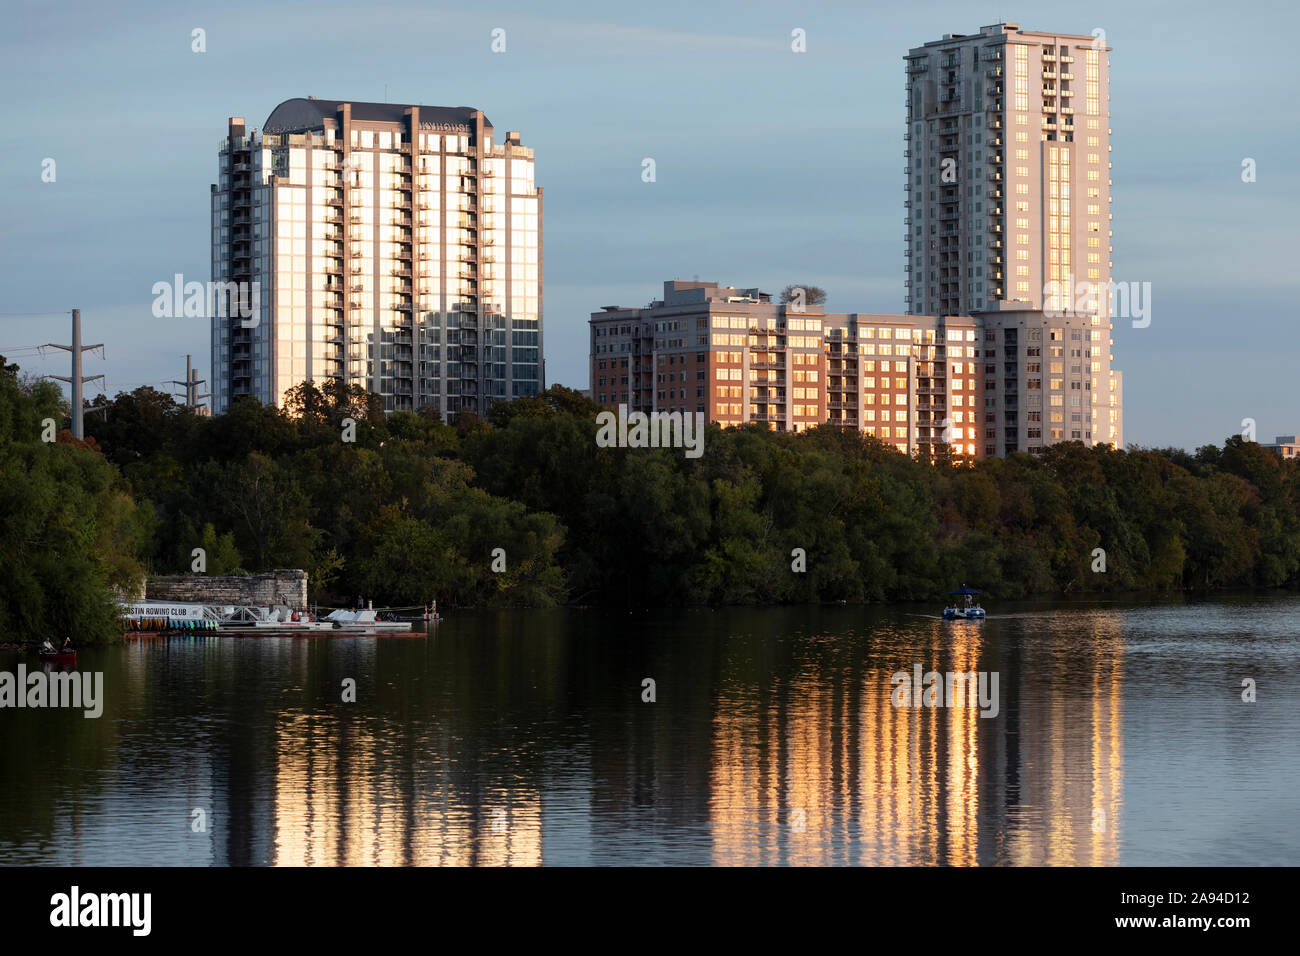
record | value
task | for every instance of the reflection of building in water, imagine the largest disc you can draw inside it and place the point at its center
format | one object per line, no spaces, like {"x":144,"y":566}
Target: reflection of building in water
{"x":1069,"y":782}
{"x":344,"y":796}
{"x":827,"y":770}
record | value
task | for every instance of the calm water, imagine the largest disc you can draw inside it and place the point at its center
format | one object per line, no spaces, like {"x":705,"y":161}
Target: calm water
{"x":522,"y":738}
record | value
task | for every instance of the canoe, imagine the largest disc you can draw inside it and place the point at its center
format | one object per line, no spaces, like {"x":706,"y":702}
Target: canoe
{"x":60,"y":657}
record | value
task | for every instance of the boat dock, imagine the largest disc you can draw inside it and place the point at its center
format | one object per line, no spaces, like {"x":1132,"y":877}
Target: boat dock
{"x":164,"y":617}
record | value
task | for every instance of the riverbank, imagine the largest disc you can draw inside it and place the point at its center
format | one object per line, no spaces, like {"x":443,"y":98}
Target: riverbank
{"x":525,"y":509}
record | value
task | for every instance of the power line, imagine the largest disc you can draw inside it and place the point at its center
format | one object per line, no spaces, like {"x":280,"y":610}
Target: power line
{"x":14,"y":314}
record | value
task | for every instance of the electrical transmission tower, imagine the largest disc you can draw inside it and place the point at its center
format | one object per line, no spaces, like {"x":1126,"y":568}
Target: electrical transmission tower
{"x":191,"y":386}
{"x":77,"y":380}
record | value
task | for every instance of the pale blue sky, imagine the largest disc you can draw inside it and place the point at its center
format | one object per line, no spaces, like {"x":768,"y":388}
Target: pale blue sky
{"x":773,"y":167}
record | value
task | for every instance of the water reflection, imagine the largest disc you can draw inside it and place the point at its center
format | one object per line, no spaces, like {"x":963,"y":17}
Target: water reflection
{"x":828,"y":770}
{"x":521,"y":739}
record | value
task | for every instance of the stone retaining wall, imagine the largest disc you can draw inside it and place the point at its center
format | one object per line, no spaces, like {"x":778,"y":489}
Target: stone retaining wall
{"x":274,"y":587}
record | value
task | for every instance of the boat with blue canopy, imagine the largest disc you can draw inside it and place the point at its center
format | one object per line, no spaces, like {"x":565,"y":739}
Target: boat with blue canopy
{"x":965,"y":607}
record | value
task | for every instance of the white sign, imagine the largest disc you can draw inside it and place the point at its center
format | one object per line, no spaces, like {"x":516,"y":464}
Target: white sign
{"x":189,"y":612}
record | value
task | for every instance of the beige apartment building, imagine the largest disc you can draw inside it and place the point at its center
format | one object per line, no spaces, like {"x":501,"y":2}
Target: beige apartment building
{"x":1006,"y":345}
{"x":397,"y":247}
{"x":1288,"y":446}
{"x":986,"y":385}
{"x":737,"y":357}
{"x":1007,"y":212}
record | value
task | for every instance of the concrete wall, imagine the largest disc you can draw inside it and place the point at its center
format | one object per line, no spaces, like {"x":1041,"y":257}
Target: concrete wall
{"x":273,"y":587}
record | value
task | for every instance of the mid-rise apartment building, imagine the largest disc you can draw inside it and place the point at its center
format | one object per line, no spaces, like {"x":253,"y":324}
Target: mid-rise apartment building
{"x":737,"y":357}
{"x":397,"y":247}
{"x":984,"y":385}
{"x":1288,"y":446}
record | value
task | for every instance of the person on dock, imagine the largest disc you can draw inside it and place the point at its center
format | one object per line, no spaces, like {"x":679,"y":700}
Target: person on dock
{"x":360,"y":603}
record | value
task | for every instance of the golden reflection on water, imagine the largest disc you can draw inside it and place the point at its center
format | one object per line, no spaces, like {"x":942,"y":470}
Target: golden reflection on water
{"x":331,"y":813}
{"x":808,"y":762}
{"x":774,"y":741}
{"x":814,"y":775}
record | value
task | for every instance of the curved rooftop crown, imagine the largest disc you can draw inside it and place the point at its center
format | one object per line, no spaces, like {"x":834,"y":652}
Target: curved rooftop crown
{"x":303,"y":113}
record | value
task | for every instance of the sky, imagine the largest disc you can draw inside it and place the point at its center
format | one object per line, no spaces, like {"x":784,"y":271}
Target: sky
{"x":772,"y":167}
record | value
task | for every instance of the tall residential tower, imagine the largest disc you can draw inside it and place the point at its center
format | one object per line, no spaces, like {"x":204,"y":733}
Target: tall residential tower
{"x":1008,"y":218}
{"x":1008,"y":166}
{"x":395,"y":247}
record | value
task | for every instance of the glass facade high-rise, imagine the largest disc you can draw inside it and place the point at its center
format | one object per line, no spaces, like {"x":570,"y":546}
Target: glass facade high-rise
{"x":395,"y":247}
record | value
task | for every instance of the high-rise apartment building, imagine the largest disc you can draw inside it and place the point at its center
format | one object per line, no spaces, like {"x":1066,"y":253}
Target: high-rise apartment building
{"x":1008,"y":218}
{"x":395,"y":247}
{"x":1008,"y":168}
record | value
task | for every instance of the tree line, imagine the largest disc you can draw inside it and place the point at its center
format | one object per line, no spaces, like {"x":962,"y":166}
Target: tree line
{"x":523,"y":508}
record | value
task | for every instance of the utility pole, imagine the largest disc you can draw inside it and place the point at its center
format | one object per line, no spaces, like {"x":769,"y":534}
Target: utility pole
{"x":76,"y":381}
{"x":192,"y":383}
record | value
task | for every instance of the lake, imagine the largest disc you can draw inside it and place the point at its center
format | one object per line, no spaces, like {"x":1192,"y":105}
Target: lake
{"x":1117,"y":736}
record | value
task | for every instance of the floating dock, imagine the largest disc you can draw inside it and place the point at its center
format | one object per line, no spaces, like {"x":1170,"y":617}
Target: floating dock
{"x":162,"y":617}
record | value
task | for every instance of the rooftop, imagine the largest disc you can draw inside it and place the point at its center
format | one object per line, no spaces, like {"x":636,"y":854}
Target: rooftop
{"x":308,"y":113}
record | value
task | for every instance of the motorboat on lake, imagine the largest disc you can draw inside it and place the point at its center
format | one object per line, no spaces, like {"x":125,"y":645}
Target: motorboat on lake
{"x":965,"y":608}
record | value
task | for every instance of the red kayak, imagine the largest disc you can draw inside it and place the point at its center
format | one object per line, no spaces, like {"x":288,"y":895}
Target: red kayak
{"x":60,"y":657}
